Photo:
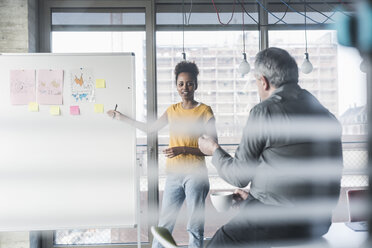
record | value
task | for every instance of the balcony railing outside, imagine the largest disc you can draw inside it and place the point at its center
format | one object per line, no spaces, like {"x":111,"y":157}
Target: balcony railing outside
{"x":354,"y":175}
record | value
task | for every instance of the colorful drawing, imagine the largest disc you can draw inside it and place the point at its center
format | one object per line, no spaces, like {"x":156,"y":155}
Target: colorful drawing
{"x":22,"y":87}
{"x":81,"y":97}
{"x":82,"y":85}
{"x":79,"y":81}
{"x":50,"y":87}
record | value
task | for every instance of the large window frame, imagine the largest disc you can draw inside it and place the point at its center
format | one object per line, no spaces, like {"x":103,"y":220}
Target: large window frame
{"x":46,"y":7}
{"x":151,"y":8}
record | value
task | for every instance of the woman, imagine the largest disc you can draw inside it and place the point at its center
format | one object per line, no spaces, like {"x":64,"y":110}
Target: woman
{"x":187,"y":175}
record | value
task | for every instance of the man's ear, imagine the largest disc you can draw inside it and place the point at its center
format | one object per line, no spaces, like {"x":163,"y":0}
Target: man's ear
{"x":265,"y":83}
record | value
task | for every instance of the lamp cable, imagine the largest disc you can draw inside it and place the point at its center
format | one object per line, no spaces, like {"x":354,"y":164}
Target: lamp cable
{"x":218,"y":14}
{"x":285,"y":13}
{"x":242,"y":5}
{"x":291,"y":8}
{"x":183,"y":30}
{"x":321,"y":13}
{"x":262,"y":6}
{"x":243,"y":31}
{"x":187,"y":19}
{"x":305,"y":28}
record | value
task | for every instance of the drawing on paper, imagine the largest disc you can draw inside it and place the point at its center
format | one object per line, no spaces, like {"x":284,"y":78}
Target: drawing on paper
{"x":79,"y":81}
{"x":22,"y":87}
{"x":50,"y":87}
{"x":82,"y":85}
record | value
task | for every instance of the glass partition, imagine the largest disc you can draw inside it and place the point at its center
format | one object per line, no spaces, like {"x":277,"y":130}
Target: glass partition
{"x":96,"y":42}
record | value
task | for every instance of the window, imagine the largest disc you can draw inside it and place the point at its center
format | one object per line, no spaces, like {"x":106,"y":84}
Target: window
{"x":98,"y":17}
{"x":319,"y":82}
{"x":338,"y":84}
{"x":333,"y":81}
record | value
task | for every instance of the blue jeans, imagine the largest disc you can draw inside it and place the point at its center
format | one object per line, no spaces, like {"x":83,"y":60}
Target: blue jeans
{"x":178,"y":187}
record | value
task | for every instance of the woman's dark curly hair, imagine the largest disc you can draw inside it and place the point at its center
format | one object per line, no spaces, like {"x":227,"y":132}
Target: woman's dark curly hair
{"x":189,"y":67}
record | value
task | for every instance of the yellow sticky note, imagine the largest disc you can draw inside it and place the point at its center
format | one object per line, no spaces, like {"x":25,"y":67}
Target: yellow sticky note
{"x":33,"y":107}
{"x":54,"y":110}
{"x":98,"y":108}
{"x":100,"y":83}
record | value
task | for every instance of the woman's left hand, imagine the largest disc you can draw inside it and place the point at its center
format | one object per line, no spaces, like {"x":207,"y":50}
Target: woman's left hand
{"x":174,"y":151}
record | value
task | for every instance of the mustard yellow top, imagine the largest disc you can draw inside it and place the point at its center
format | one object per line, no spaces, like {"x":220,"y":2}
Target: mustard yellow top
{"x":185,"y":127}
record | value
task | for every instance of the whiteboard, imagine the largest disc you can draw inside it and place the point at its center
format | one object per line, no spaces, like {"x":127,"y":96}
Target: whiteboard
{"x":68,"y":171}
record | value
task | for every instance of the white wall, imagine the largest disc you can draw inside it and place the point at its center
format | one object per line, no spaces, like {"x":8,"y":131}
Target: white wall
{"x":18,"y":34}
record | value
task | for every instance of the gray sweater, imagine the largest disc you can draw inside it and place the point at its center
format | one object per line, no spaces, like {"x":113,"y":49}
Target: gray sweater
{"x":290,"y":151}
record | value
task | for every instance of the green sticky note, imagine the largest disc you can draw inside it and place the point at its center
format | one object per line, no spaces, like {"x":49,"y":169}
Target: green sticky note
{"x":98,"y":108}
{"x":100,"y":83}
{"x":33,"y":107}
{"x":54,"y":110}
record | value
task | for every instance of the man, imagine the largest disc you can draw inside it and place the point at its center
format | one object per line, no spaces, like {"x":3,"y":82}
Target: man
{"x":291,"y":156}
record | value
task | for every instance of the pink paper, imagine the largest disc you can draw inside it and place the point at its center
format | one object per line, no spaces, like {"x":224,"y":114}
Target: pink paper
{"x":22,"y":86}
{"x":74,"y":110}
{"x":50,"y":87}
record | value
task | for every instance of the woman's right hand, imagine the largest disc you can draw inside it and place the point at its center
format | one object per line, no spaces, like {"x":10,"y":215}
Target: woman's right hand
{"x":114,"y":114}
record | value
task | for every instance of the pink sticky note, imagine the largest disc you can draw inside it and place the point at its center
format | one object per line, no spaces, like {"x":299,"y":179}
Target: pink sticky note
{"x":74,"y":110}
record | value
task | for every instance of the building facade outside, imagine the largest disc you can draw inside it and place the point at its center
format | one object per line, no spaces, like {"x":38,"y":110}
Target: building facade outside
{"x":354,"y":121}
{"x":230,"y":95}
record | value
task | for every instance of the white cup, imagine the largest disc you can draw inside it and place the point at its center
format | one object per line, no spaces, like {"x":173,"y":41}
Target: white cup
{"x":222,"y":201}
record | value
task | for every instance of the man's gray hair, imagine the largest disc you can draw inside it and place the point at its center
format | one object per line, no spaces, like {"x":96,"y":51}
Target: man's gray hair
{"x":277,"y":66}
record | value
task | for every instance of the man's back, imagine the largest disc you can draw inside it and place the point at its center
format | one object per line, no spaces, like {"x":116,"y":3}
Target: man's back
{"x":291,"y":154}
{"x":300,"y":149}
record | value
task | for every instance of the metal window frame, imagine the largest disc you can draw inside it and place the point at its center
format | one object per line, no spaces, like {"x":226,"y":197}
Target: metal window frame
{"x":369,"y":116}
{"x":98,"y":27}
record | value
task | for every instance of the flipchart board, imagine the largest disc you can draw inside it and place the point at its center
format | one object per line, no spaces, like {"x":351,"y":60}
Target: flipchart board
{"x":64,"y":162}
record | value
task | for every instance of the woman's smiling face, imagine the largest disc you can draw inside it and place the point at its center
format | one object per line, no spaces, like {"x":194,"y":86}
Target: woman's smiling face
{"x":186,"y":86}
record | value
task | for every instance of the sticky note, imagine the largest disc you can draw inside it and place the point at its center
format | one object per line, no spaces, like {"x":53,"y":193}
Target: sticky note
{"x":100,"y":83}
{"x":98,"y":108}
{"x":74,"y":110}
{"x":33,"y":107}
{"x":54,"y":110}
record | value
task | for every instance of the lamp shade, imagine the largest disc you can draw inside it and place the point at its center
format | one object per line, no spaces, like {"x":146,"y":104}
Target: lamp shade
{"x":363,"y":66}
{"x":306,"y":66}
{"x":244,"y":66}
